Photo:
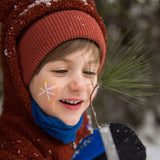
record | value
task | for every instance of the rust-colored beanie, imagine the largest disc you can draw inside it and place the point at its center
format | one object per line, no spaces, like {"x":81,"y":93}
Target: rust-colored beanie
{"x":44,"y":24}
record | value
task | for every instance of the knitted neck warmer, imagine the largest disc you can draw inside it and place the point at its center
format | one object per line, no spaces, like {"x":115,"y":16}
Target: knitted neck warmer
{"x":55,"y":126}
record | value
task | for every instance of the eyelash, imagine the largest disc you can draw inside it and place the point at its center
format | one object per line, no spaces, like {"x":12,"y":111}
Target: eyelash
{"x":60,"y":71}
{"x":89,"y":73}
{"x":65,"y":71}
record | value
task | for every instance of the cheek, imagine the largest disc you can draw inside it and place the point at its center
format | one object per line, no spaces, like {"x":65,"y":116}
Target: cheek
{"x":47,"y":91}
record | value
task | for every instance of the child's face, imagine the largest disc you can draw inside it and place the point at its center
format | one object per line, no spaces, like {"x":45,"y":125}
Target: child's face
{"x":62,"y":88}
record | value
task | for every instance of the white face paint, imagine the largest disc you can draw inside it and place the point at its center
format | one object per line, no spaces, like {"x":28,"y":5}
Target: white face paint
{"x":49,"y":91}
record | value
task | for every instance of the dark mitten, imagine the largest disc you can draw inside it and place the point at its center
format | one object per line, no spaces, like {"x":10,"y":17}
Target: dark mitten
{"x":128,"y":144}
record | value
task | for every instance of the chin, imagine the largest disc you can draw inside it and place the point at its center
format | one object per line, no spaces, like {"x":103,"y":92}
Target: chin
{"x":71,"y":122}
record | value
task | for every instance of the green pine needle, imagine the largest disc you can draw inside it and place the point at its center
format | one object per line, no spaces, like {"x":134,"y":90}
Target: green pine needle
{"x":127,"y":71}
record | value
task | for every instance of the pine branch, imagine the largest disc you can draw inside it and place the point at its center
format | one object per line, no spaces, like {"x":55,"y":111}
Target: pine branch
{"x":127,"y":70}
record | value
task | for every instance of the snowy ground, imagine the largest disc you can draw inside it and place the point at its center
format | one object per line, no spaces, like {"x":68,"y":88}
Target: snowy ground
{"x":153,"y":150}
{"x":149,"y":134}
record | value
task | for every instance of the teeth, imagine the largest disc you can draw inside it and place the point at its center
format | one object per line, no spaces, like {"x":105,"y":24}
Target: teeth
{"x":71,"y":101}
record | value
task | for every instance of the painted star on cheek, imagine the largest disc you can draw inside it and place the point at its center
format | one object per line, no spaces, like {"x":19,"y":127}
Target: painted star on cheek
{"x":49,"y":91}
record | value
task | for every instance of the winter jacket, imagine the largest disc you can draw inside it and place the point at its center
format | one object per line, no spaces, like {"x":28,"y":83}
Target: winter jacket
{"x":20,"y":137}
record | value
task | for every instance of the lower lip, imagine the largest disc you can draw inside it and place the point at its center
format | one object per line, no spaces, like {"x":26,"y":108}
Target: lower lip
{"x":72,"y":107}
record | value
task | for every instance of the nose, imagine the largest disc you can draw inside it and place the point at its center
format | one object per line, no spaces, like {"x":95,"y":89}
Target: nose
{"x":77,"y":83}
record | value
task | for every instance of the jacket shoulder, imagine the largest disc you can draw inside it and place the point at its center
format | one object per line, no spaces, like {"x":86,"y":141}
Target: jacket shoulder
{"x":13,"y":146}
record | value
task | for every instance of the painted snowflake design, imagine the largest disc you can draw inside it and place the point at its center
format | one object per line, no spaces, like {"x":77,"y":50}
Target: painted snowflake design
{"x":47,"y":90}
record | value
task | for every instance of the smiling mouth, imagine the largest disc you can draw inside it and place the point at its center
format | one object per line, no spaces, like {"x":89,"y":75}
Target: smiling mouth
{"x":70,"y":102}
{"x":73,"y":105}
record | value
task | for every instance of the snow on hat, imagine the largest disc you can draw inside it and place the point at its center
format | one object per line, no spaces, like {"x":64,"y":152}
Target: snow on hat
{"x":41,"y":25}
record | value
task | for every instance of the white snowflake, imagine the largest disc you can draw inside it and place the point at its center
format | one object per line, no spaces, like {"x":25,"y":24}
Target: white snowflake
{"x":85,"y":2}
{"x":36,"y":155}
{"x":38,"y":140}
{"x":37,"y":2}
{"x":18,"y":141}
{"x":48,"y":91}
{"x":19,"y":151}
{"x":50,"y":151}
{"x":15,"y":7}
{"x":6,"y":52}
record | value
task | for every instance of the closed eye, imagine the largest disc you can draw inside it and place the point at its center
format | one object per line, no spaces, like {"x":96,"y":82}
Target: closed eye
{"x":89,"y":72}
{"x":60,"y":71}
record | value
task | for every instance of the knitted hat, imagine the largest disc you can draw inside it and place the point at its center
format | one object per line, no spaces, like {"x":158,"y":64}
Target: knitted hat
{"x":45,"y":24}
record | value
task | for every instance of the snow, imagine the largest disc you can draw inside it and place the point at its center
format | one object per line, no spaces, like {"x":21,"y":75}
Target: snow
{"x":18,"y":141}
{"x":150,"y":136}
{"x":19,"y":151}
{"x":37,"y":2}
{"x":153,"y":150}
{"x":47,"y":2}
{"x":5,"y":52}
{"x":36,"y":155}
{"x":85,"y":2}
{"x":15,"y":7}
{"x":38,"y":140}
{"x":50,"y":151}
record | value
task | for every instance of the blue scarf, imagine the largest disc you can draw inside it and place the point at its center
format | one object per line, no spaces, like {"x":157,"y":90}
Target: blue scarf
{"x":55,"y":126}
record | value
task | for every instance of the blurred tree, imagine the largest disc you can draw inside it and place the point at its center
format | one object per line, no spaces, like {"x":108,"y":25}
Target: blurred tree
{"x":137,"y":16}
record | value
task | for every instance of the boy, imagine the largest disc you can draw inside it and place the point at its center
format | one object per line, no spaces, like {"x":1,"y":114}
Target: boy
{"x":43,"y":110}
{"x":52,"y":54}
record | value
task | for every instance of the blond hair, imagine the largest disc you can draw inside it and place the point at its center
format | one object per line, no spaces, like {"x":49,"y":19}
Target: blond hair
{"x":66,"y":48}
